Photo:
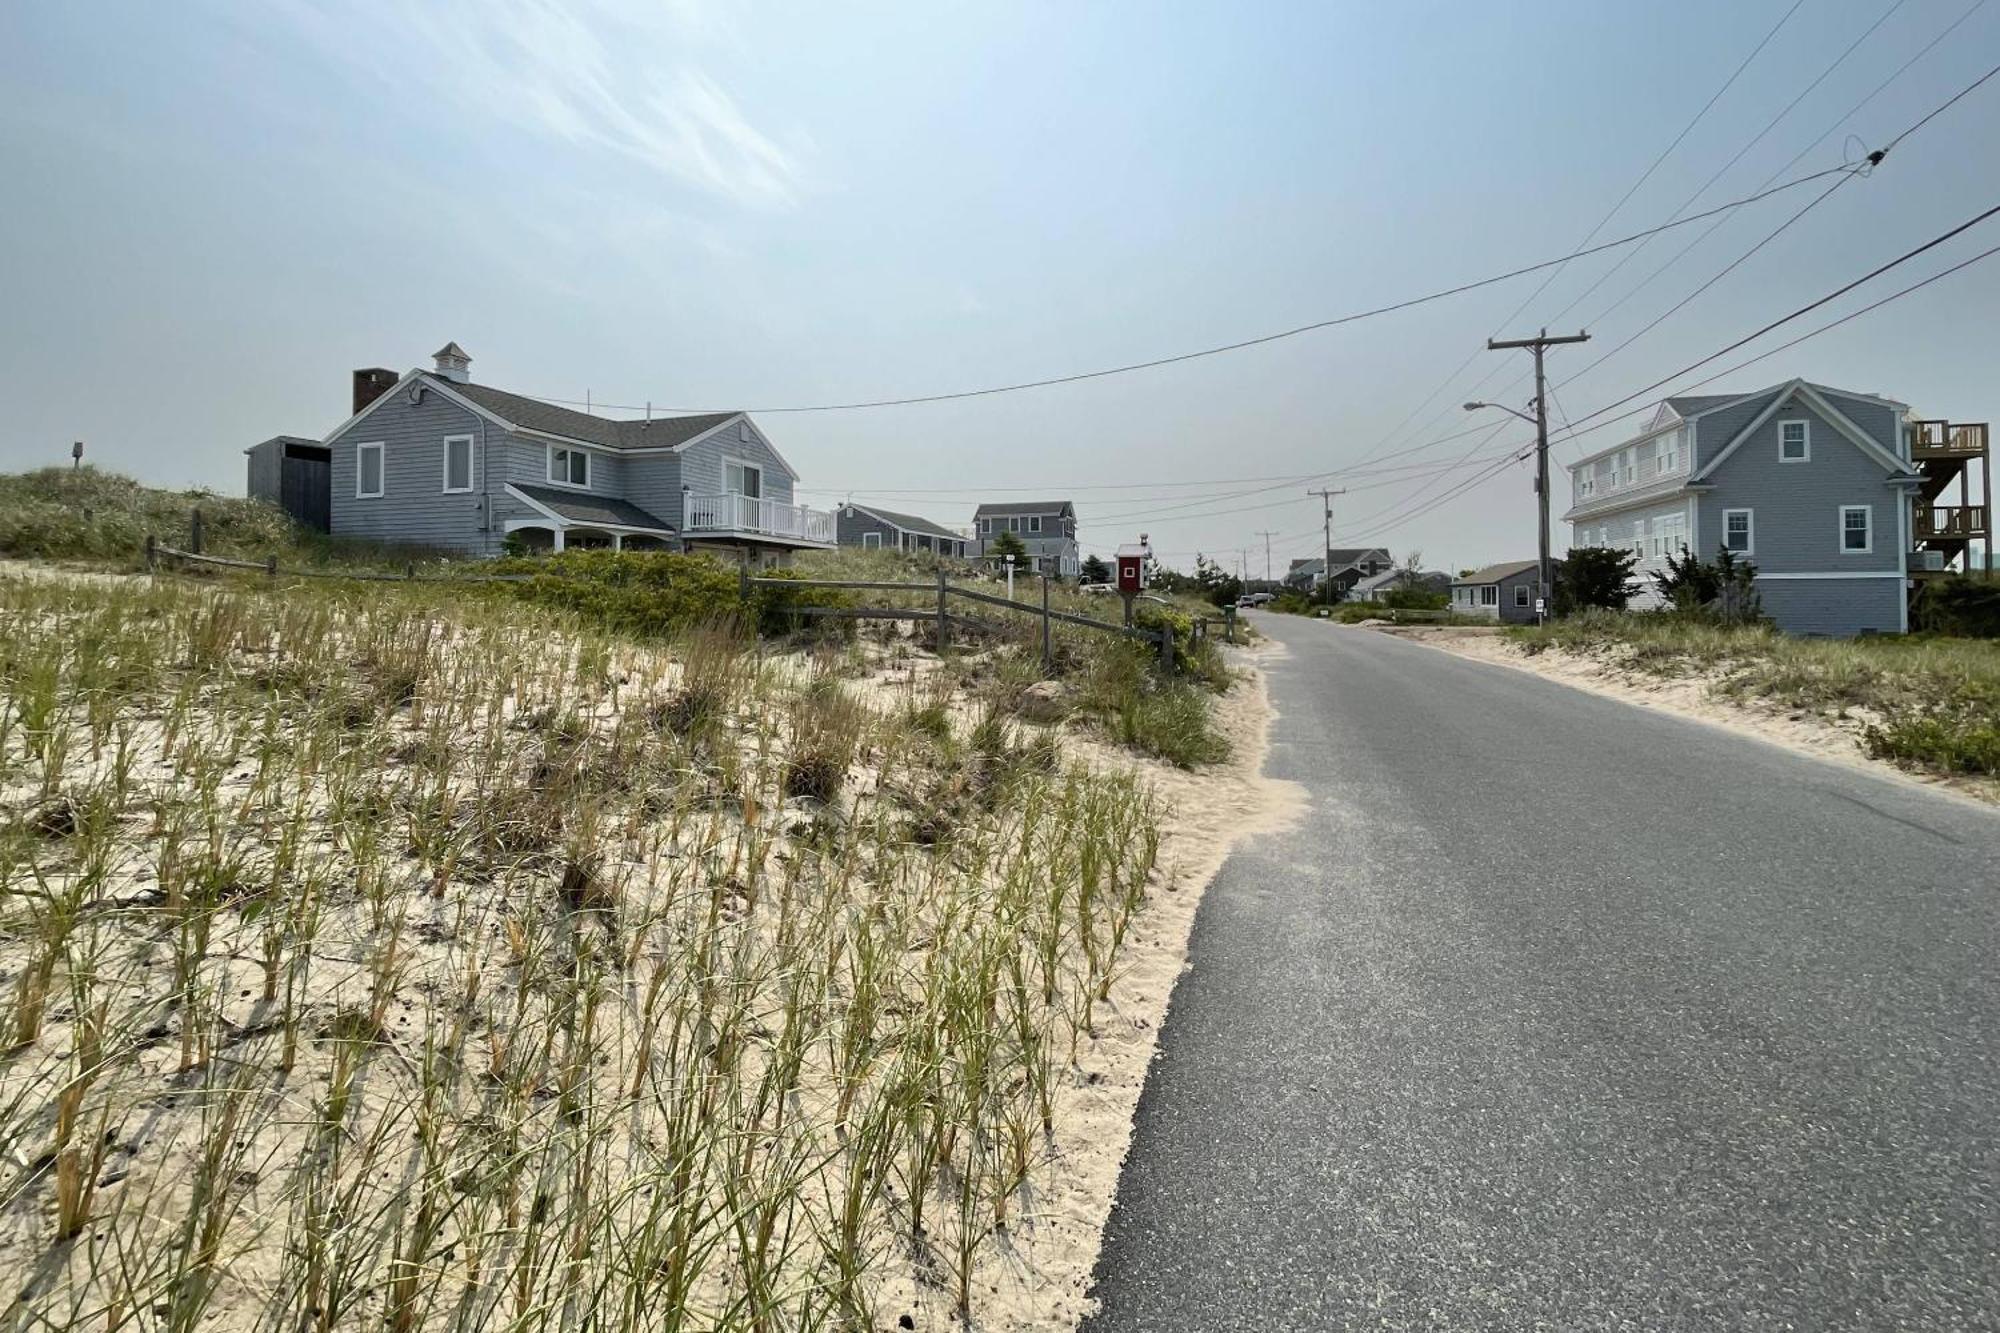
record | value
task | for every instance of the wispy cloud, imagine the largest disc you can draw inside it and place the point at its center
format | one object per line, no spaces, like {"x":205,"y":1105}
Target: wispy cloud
{"x":615,"y":77}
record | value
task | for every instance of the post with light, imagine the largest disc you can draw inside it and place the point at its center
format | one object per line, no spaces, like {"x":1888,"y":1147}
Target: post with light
{"x":1009,"y":561}
{"x":1539,"y":344}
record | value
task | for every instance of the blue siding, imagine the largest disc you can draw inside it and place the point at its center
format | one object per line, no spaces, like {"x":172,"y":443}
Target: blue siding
{"x":1840,"y":608}
{"x":701,"y":462}
{"x":653,"y":482}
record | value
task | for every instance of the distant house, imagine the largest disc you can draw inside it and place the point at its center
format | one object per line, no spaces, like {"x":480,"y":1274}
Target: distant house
{"x":1376,"y":586}
{"x":883,"y":529}
{"x":1841,"y":500}
{"x":1047,"y":528}
{"x":1503,"y":592}
{"x":1350,"y":566}
{"x":432,"y":458}
{"x":292,"y":472}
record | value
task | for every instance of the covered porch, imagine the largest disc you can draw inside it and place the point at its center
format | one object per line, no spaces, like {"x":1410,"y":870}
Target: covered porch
{"x":560,"y":521}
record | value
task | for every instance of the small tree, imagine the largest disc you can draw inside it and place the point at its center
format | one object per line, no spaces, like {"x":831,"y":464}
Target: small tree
{"x":1215,"y":583}
{"x":1726,"y":590}
{"x":1595,"y":576}
{"x":1006,"y":544}
{"x":1095,"y":570}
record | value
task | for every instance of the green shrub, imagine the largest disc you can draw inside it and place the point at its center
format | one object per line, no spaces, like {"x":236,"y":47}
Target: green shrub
{"x":1955,"y":739}
{"x":656,"y":594}
{"x":1963,"y":607}
{"x":43,"y":515}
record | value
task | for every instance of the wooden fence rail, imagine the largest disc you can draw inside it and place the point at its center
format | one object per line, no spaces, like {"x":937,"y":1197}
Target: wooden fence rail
{"x":941,"y":616}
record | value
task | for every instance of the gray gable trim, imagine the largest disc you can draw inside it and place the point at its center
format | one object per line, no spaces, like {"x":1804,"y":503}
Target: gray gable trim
{"x":1834,"y":416}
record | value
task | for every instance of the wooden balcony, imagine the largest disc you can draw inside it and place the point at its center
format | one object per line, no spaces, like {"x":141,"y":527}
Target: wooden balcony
{"x":1942,"y":440}
{"x":1948,"y":522}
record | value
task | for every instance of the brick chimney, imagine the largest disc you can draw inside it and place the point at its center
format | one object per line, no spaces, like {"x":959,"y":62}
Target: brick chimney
{"x":371,"y":384}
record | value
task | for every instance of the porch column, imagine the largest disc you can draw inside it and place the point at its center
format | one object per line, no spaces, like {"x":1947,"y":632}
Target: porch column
{"x":617,"y":541}
{"x":559,"y":537}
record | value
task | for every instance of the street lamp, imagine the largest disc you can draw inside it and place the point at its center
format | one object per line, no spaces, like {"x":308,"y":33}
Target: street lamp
{"x":1474,"y":407}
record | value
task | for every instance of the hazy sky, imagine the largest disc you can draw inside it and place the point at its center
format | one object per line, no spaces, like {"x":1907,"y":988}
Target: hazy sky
{"x":214,"y":212}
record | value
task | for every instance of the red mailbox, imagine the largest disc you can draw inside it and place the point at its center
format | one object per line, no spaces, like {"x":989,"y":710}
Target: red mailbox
{"x":1132,"y":562}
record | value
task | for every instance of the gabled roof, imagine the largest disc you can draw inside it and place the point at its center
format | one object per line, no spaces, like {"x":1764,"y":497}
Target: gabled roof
{"x":1026,"y":507}
{"x":1387,"y":578}
{"x":1693,"y":404}
{"x":1507,"y":569}
{"x":578,"y":507}
{"x":611,"y":432}
{"x":907,"y":522}
{"x":1816,"y":399}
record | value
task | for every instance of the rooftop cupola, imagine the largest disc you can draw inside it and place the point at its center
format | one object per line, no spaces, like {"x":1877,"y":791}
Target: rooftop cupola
{"x":453,"y":363}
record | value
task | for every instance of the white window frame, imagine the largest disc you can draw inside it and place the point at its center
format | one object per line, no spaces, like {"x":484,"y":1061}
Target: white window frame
{"x":1521,"y":596}
{"x":1868,"y":512}
{"x":743,"y":465}
{"x":871,"y":541}
{"x":1749,"y":531}
{"x":1035,"y":523}
{"x":1489,"y":594}
{"x":1805,"y":431}
{"x":467,"y":441}
{"x":381,"y":449}
{"x":564,"y":481}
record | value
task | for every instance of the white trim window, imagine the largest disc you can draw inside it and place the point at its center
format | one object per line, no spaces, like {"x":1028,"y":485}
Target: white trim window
{"x":371,"y":470}
{"x":1795,"y":441}
{"x":1035,"y":523}
{"x":1489,"y":594}
{"x":1739,"y":531}
{"x":871,"y":541}
{"x":569,"y":467}
{"x":741,"y":478}
{"x":1857,"y":529}
{"x":457,"y":464}
{"x":1521,"y":595}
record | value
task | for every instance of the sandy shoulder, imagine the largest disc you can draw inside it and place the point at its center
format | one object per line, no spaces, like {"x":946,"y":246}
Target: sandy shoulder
{"x":1040,"y":1280}
{"x":1833,"y":738}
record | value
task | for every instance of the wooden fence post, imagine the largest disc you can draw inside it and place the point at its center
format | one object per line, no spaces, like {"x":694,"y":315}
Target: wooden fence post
{"x":1167,"y":649}
{"x":194,"y":532}
{"x":1048,"y":648}
{"x":944,"y":616}
{"x":152,"y":553}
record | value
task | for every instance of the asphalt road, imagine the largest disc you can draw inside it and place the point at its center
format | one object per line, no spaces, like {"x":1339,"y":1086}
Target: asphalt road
{"x":1560,"y":1013}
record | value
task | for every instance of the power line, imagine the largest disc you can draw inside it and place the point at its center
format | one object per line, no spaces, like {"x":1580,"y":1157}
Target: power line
{"x":1241,"y":344}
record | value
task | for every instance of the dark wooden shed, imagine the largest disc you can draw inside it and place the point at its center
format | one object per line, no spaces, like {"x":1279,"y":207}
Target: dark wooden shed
{"x":296,"y":474}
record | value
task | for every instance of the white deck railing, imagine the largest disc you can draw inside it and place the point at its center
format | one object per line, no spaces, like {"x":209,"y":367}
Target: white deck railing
{"x":727,"y":512}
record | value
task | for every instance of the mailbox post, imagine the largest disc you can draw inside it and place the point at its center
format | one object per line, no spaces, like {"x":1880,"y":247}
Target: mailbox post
{"x":1133,"y":560}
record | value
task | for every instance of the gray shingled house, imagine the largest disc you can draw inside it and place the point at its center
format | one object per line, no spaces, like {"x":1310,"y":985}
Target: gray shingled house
{"x":1839,"y":499}
{"x":1047,"y":528}
{"x":430,"y":457}
{"x":1504,"y":592}
{"x":875,"y":528}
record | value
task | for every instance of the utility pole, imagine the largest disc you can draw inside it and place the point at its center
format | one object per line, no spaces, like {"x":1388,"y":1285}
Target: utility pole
{"x":1326,"y":568}
{"x":1267,"y":553}
{"x":1539,"y":344}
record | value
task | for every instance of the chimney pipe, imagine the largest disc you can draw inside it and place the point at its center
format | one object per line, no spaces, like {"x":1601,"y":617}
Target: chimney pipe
{"x":371,"y":384}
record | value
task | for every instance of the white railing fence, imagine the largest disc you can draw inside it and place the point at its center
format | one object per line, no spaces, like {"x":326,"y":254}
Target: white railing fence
{"x":724,"y":511}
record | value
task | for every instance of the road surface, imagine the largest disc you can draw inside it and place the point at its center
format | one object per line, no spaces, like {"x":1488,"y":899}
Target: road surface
{"x":1560,"y":1013}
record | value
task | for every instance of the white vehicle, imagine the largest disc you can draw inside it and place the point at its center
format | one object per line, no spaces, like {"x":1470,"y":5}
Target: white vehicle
{"x":1096,"y":589}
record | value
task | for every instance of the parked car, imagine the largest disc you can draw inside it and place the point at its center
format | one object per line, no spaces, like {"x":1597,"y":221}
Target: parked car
{"x":1253,"y":599}
{"x":1096,"y":589}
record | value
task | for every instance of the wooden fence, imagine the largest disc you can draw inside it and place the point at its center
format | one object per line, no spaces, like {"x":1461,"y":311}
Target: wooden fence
{"x":941,"y":614}
{"x":156,"y":553}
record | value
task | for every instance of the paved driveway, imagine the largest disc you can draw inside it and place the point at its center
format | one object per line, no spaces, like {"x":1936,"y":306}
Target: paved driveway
{"x":1559,"y":1013}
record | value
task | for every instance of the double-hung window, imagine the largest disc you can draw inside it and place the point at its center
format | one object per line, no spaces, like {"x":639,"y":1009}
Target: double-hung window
{"x":742,"y":479}
{"x":457,"y":464}
{"x":368,"y":471}
{"x":1489,"y":594}
{"x":569,"y":467}
{"x":1857,"y":529}
{"x":1794,"y":442}
{"x":1520,"y":594}
{"x":871,"y":540}
{"x":1035,"y":523}
{"x":1739,"y":530}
